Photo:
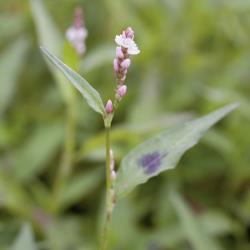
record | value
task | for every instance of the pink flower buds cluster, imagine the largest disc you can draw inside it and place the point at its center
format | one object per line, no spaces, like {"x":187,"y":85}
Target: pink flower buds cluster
{"x":77,"y":33}
{"x":126,"y":47}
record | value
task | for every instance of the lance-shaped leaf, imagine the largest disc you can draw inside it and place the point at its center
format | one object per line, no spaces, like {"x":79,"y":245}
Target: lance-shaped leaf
{"x":92,"y":97}
{"x":163,"y":151}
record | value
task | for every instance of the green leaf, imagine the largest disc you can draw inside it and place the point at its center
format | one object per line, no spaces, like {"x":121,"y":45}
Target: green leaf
{"x":150,"y":90}
{"x":79,"y":186}
{"x":13,"y":55}
{"x":92,"y":97}
{"x":191,"y":226}
{"x":97,"y":57}
{"x":217,"y":223}
{"x":34,"y":155}
{"x":163,"y":151}
{"x":13,"y":194}
{"x":47,"y":31}
{"x":50,"y":37}
{"x":25,"y":239}
{"x":10,"y":25}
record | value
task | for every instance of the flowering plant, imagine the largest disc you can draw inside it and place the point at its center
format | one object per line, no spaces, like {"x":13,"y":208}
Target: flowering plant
{"x":152,"y":157}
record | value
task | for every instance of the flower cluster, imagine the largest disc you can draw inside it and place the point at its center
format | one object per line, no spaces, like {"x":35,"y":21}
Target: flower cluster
{"x":126,"y":47}
{"x":77,"y":33}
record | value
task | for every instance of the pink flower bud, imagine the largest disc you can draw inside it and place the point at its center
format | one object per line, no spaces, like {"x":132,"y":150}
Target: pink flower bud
{"x":126,"y":63}
{"x":129,"y":33}
{"x":119,"y":53}
{"x":116,"y":65}
{"x":79,"y":21}
{"x":122,"y":90}
{"x":109,"y":107}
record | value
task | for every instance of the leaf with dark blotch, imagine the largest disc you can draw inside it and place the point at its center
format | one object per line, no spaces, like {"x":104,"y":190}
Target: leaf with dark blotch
{"x":163,"y":151}
{"x":151,"y":162}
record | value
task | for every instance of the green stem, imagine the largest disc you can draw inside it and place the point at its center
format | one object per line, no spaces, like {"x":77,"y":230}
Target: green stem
{"x":108,"y":160}
{"x":109,"y":194}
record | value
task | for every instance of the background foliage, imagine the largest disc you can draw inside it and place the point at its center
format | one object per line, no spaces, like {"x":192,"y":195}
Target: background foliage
{"x":195,"y":58}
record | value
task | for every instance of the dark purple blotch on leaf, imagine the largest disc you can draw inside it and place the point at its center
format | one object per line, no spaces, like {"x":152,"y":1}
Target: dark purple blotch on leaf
{"x":151,"y":162}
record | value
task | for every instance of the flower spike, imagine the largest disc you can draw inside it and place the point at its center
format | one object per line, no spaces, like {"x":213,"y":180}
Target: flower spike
{"x":77,"y":33}
{"x":126,"y":47}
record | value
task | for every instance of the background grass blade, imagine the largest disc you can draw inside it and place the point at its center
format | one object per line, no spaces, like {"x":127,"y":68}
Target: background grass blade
{"x":11,"y":65}
{"x":190,"y":225}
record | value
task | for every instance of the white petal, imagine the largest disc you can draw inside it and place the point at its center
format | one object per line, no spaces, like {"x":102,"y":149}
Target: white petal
{"x":133,"y":51}
{"x":82,"y":33}
{"x":71,"y":34}
{"x":119,"y":40}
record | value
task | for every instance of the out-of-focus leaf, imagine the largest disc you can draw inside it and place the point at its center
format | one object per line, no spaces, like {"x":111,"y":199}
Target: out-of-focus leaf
{"x":25,"y":239}
{"x":12,"y":195}
{"x":216,"y":223}
{"x":92,"y":97}
{"x":10,"y":25}
{"x":238,"y":5}
{"x":219,"y":95}
{"x":11,"y":64}
{"x":150,"y":91}
{"x":163,"y":151}
{"x":193,"y":230}
{"x":69,"y":233}
{"x":34,"y":155}
{"x":220,"y":142}
{"x":169,"y":237}
{"x":49,"y":36}
{"x":41,"y":195}
{"x":70,"y":56}
{"x":79,"y":186}
{"x":97,"y":57}
{"x":125,"y":214}
{"x":48,"y":33}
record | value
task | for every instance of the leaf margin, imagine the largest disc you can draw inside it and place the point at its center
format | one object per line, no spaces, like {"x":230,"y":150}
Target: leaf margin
{"x":89,"y":93}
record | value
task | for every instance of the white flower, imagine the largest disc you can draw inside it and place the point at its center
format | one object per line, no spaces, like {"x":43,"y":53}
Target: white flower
{"x":128,"y":43}
{"x":77,"y":36}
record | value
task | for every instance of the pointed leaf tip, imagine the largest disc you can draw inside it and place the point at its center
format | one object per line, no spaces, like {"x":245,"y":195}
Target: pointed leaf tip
{"x":90,"y":94}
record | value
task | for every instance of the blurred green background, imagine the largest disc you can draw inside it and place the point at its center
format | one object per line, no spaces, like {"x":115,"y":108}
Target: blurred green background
{"x":195,"y":57}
